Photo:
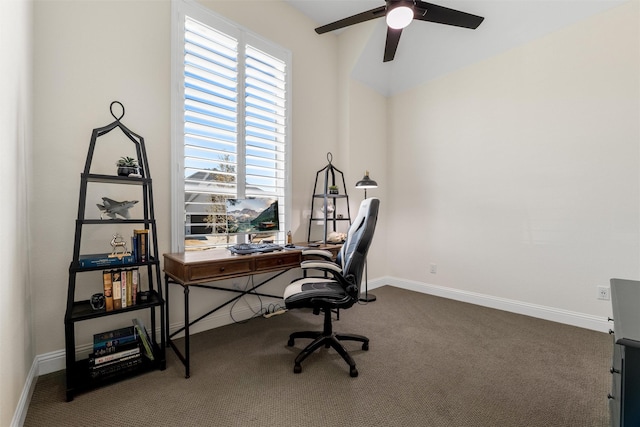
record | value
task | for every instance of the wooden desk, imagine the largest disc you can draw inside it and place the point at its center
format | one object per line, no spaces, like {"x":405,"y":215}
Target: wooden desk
{"x":198,"y":268}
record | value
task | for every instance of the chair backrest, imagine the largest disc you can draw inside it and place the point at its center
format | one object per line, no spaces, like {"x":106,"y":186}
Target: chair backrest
{"x":353,"y":254}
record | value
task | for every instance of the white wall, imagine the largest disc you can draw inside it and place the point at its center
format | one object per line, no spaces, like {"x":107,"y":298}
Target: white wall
{"x":519,"y":176}
{"x":16,"y":329}
{"x":363,"y":139}
{"x":520,"y":181}
{"x":88,"y":54}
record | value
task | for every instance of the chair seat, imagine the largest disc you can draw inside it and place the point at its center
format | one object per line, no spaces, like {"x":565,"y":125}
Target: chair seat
{"x":307,"y":292}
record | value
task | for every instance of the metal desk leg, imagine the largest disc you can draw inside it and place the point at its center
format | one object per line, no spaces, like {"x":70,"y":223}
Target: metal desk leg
{"x":186,"y":332}
{"x":167,"y":333}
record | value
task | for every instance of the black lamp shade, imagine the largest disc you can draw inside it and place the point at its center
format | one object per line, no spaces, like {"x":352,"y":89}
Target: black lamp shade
{"x":366,"y":182}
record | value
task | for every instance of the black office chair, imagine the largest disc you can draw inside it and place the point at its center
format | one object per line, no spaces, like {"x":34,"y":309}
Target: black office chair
{"x":339,"y":290}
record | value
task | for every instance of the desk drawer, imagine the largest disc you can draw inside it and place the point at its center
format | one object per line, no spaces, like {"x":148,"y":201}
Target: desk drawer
{"x":221,"y":269}
{"x":282,"y":260}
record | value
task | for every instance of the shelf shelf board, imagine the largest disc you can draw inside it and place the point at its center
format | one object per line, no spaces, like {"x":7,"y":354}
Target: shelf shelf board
{"x":115,"y":179}
{"x":115,"y":221}
{"x":330,"y":196}
{"x":330,"y":219}
{"x":81,"y":310}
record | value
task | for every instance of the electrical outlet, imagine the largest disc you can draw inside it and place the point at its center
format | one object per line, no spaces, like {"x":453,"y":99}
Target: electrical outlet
{"x":433,"y":268}
{"x":603,"y":293}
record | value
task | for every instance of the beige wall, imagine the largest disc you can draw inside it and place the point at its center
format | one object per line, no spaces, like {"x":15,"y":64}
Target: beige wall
{"x":83,"y":62}
{"x":363,"y":138}
{"x":518,"y":176}
{"x":16,"y":329}
{"x":88,"y":54}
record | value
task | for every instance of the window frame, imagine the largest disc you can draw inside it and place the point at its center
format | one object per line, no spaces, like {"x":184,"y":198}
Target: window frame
{"x":180,"y":9}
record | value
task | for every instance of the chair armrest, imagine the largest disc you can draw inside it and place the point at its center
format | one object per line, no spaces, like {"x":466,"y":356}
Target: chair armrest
{"x":347,"y":282}
{"x":322,"y":265}
{"x":318,"y":252}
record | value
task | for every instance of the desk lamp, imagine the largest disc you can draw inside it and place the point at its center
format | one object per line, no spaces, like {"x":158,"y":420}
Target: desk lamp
{"x":365,"y":183}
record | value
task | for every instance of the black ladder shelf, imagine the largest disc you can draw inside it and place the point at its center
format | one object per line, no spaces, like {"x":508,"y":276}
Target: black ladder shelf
{"x":329,"y":174}
{"x":78,"y":378}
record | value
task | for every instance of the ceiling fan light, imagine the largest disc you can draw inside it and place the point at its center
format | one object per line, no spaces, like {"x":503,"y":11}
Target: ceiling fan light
{"x":399,"y":17}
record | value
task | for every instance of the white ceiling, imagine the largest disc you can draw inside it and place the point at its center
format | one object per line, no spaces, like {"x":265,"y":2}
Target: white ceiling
{"x":427,"y":50}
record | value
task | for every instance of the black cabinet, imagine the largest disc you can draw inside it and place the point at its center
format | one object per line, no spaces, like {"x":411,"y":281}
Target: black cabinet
{"x":624,"y":398}
{"x":78,"y":376}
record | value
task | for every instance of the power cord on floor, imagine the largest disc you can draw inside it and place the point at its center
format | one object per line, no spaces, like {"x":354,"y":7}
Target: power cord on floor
{"x":270,"y":310}
{"x":273,"y":310}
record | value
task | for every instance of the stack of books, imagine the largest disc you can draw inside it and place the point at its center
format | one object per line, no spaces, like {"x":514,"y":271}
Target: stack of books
{"x":120,"y":288}
{"x":140,"y":245}
{"x":120,"y":351}
{"x":115,"y":352}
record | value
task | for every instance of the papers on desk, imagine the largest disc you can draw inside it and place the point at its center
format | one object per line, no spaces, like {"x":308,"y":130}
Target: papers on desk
{"x":294,"y":247}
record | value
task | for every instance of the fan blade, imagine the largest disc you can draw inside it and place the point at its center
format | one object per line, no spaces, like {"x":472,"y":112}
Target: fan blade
{"x":443,"y":15}
{"x":355,"y":19}
{"x":393,"y":37}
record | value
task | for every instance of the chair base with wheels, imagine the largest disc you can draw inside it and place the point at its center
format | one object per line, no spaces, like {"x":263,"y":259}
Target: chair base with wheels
{"x":327,"y":338}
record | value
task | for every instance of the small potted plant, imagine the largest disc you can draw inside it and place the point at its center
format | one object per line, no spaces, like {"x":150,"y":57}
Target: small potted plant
{"x":127,"y":166}
{"x":333,"y":189}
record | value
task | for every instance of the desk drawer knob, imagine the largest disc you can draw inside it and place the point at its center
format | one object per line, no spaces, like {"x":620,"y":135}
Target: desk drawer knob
{"x":221,"y":269}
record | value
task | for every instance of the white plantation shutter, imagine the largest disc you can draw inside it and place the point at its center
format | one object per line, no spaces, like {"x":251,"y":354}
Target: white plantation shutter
{"x":265,"y":123}
{"x":232,"y":130}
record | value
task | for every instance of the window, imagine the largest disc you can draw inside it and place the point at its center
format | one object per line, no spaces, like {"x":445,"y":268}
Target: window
{"x":230,"y":136}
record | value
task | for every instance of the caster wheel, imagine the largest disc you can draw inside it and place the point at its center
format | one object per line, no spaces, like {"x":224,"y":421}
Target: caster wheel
{"x":365,"y":346}
{"x":290,"y":342}
{"x":297,"y":368}
{"x":353,"y":372}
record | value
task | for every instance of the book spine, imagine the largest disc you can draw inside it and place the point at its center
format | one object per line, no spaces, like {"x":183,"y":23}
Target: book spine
{"x":144,"y":338}
{"x":123,"y":286}
{"x":117,"y":368}
{"x":129,"y":288}
{"x":99,"y":360}
{"x":134,"y":246}
{"x":108,"y":290}
{"x":117,"y":289}
{"x":103,"y":260}
{"x":134,"y":285}
{"x":115,"y":346}
{"x":142,"y":245}
{"x":127,"y":331}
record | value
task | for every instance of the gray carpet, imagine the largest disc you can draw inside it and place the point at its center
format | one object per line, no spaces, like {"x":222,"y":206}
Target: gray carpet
{"x":432,"y":362}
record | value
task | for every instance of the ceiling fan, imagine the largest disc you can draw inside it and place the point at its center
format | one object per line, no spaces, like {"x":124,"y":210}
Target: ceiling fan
{"x":400,"y":13}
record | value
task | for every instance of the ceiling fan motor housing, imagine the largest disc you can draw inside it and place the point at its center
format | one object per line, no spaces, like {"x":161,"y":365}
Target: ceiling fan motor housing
{"x":399,"y":13}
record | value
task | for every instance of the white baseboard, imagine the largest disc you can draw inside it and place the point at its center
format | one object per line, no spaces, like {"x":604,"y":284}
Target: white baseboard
{"x":55,"y":361}
{"x":586,"y":321}
{"x":27,"y":391}
{"x":50,"y":362}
